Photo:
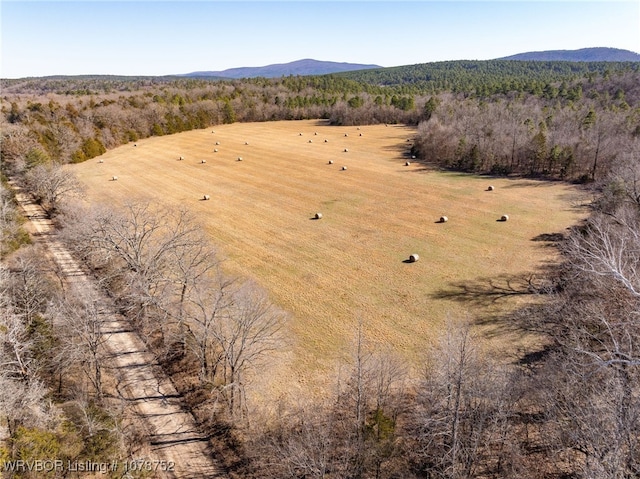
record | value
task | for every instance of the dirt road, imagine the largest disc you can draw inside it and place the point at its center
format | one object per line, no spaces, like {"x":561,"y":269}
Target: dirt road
{"x":177,"y":449}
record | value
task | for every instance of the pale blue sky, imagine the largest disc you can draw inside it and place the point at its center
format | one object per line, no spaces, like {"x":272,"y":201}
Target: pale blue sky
{"x":152,"y":37}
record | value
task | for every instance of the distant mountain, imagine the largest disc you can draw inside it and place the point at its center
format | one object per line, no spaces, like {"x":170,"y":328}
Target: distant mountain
{"x":300,"y":67}
{"x":599,"y":54}
{"x":315,"y":67}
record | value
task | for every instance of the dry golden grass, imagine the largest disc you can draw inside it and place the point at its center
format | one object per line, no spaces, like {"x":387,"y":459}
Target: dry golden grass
{"x":349,"y":265}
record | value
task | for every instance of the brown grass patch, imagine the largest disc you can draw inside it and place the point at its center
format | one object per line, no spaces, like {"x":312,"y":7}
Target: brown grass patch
{"x":350,"y":266}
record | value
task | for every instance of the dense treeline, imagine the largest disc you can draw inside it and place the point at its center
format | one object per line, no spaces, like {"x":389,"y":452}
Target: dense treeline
{"x":557,"y":119}
{"x":568,"y":133}
{"x":49,"y":409}
{"x":569,"y":408}
{"x":490,"y":77}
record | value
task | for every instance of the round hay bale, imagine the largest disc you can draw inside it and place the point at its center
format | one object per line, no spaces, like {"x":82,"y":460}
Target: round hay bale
{"x":358,"y":128}
{"x":331,"y":162}
{"x":343,"y":168}
{"x":203,"y":161}
{"x":318,"y":216}
{"x":315,"y":133}
{"x":239,"y":158}
{"x":181,"y":158}
{"x":206,"y":197}
{"x":217,"y":142}
{"x":413,"y":157}
{"x":490,"y":188}
{"x":504,"y":218}
{"x":135,"y":144}
{"x":215,"y":150}
{"x":346,"y":150}
{"x":310,"y":141}
{"x":326,"y":141}
{"x":300,"y":134}
{"x":100,"y":161}
{"x":360,"y":134}
{"x":407,"y":163}
{"x":246,"y":142}
{"x":346,"y":134}
{"x":443,"y":219}
{"x":413,"y":258}
{"x":114,"y":178}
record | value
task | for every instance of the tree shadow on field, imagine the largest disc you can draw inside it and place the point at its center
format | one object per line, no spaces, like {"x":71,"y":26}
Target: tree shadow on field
{"x":403,"y":149}
{"x":416,"y":168}
{"x":481,"y":295}
{"x":492,"y":290}
{"x":527,"y":182}
{"x":549,"y":240}
{"x":549,"y":237}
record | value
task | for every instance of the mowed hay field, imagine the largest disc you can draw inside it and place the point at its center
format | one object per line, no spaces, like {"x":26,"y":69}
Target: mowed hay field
{"x":349,"y":266}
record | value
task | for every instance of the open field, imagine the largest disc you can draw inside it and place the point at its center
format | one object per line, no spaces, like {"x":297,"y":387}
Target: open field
{"x":351,"y":264}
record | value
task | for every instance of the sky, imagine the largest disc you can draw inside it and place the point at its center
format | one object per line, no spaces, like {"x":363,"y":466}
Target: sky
{"x":164,"y":37}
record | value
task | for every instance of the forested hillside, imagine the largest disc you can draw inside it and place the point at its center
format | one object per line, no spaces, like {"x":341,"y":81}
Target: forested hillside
{"x":568,"y":407}
{"x":487,"y":77}
{"x":535,"y":118}
{"x":598,"y":54}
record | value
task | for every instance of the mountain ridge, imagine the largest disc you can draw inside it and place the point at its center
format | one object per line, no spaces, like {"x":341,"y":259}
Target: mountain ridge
{"x":596,"y":54}
{"x":309,"y":66}
{"x":302,"y":67}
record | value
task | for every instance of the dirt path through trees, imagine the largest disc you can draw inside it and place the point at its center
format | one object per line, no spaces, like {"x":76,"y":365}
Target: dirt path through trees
{"x":175,"y":442}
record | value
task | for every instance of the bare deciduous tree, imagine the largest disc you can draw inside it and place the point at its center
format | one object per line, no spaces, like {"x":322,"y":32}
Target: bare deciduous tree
{"x":22,"y":392}
{"x":79,"y":322}
{"x":10,"y":233}
{"x":50,"y":183}
{"x":21,"y":402}
{"x":208,"y":304}
{"x":150,"y":256}
{"x":30,"y":287}
{"x":193,"y":262}
{"x":300,"y":444}
{"x":15,"y":142}
{"x":461,"y":408}
{"x":609,"y":248}
{"x":249,"y":330}
{"x":16,"y":347}
{"x":588,"y":386}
